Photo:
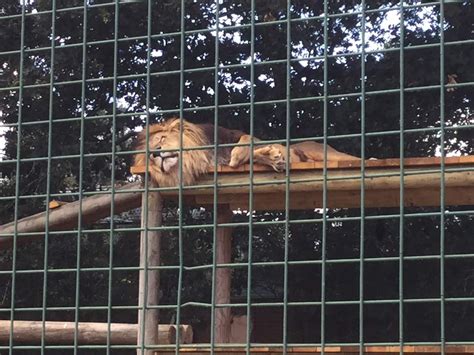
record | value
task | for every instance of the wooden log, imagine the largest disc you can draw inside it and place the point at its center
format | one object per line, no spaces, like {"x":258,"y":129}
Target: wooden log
{"x":149,"y":280}
{"x":223,"y":317}
{"x":57,"y":332}
{"x":66,"y":217}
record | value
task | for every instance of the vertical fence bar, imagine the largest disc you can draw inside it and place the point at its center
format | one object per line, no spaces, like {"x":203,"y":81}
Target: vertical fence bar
{"x":287,"y":176}
{"x":442,"y":178}
{"x":251,"y":174}
{"x":180,"y":171}
{"x":214,"y":211}
{"x":148,"y":319}
{"x":402,"y":175}
{"x":221,"y":317}
{"x":325,"y":177}
{"x":362,"y":181}
{"x":48,"y":176}
{"x":17,"y":177}
{"x":112,"y":174}
{"x":81,"y":175}
{"x":145,"y":232}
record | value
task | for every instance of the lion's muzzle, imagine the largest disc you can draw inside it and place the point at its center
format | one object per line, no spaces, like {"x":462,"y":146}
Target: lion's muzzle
{"x":165,"y":160}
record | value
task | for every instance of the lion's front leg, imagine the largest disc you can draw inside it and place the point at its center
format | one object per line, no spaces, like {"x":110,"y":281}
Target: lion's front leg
{"x":273,"y":155}
{"x":240,"y":155}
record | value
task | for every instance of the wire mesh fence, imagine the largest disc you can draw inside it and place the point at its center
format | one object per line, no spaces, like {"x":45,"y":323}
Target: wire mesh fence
{"x":310,"y":257}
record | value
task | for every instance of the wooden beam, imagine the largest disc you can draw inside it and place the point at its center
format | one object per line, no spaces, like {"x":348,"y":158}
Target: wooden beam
{"x":57,"y":332}
{"x":343,"y":188}
{"x":337,"y":180}
{"x":149,"y":281}
{"x":66,"y":217}
{"x":223,"y":316}
{"x":461,"y":196}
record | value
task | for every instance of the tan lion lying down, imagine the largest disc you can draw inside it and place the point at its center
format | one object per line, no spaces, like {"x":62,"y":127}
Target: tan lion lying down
{"x":275,"y":155}
{"x":164,"y":143}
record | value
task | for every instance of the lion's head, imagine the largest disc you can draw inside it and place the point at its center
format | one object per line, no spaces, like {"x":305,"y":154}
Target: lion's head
{"x":164,"y":158}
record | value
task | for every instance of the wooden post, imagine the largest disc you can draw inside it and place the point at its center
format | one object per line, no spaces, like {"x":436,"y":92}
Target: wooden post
{"x":149,"y":285}
{"x":223,"y":316}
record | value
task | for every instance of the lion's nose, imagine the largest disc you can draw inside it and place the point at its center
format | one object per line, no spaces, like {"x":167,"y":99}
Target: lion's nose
{"x":156,"y":154}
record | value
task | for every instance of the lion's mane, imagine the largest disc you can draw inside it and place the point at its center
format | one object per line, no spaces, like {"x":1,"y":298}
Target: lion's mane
{"x":195,"y":162}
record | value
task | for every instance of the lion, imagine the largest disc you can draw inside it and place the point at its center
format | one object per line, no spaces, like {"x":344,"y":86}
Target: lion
{"x":198,"y":153}
{"x":275,"y":155}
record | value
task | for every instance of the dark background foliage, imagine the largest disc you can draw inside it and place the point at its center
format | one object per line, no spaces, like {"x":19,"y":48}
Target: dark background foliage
{"x":421,"y":114}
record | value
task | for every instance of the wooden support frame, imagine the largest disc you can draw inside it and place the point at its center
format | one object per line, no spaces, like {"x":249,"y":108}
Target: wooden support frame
{"x":421,"y":184}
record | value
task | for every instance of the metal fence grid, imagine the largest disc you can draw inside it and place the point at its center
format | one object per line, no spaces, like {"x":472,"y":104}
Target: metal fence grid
{"x":249,"y":223}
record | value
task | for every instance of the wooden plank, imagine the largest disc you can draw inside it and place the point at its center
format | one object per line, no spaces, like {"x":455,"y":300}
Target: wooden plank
{"x":455,"y":196}
{"x":380,"y":163}
{"x":310,"y":181}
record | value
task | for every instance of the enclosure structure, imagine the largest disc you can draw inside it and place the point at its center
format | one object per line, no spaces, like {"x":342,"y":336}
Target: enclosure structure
{"x":343,"y":257}
{"x":382,"y":184}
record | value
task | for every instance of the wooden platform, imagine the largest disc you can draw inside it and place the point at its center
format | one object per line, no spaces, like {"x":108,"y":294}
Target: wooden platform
{"x":421,"y":184}
{"x":379,"y":163}
{"x":409,"y":349}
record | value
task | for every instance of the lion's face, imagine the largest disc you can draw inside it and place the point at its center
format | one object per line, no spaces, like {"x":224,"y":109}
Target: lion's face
{"x":164,"y":145}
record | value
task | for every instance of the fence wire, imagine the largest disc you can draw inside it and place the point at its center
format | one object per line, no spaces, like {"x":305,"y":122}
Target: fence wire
{"x":185,"y":304}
